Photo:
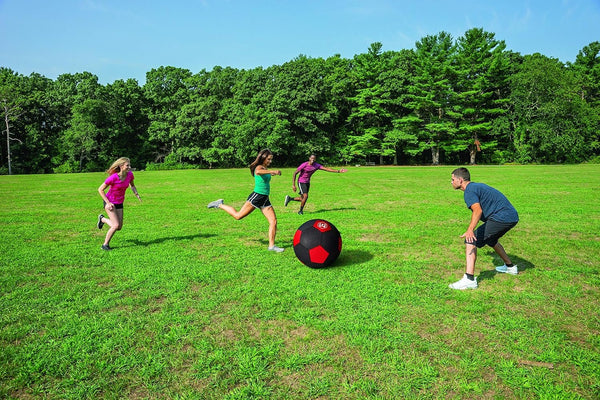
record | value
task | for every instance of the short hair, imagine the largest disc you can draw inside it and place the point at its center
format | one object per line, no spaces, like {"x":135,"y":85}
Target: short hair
{"x":463,"y":173}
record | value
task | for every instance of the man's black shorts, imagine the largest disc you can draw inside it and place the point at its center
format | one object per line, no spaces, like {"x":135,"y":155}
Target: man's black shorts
{"x":491,"y":231}
{"x":304,"y":187}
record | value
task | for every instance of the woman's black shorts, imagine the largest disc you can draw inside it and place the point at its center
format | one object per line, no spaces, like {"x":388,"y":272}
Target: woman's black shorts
{"x":117,"y":206}
{"x":259,"y":200}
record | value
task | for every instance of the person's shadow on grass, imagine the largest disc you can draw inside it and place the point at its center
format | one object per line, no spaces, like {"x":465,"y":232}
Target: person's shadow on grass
{"x":146,"y":243}
{"x":490,"y":274}
{"x":330,"y":209}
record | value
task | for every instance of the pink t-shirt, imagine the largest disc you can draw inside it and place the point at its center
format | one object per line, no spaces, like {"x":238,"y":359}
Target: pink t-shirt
{"x":116,"y":193}
{"x":306,"y":170}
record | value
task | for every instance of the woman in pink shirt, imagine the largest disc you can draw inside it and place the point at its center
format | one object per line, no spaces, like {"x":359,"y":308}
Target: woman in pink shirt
{"x":119,"y":179}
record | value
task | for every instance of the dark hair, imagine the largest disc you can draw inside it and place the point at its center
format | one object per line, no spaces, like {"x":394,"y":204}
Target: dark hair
{"x":463,"y":173}
{"x":260,"y":158}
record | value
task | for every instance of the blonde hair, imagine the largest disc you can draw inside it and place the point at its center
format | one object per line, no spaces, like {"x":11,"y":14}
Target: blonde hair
{"x":116,"y":166}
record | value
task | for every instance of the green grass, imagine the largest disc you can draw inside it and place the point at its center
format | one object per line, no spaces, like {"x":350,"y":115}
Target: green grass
{"x":190,"y":305}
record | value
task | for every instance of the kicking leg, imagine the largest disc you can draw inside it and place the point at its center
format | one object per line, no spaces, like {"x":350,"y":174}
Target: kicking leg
{"x":246,"y":209}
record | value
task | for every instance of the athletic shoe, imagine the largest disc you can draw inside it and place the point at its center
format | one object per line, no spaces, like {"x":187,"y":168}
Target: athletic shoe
{"x":300,"y":212}
{"x":508,"y":270}
{"x":276,"y":249}
{"x":106,"y":247}
{"x":464,"y":283}
{"x":287,"y":200}
{"x":100,"y":224}
{"x":215,"y":204}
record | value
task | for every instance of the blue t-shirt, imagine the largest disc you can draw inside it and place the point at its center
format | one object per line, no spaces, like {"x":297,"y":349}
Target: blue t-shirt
{"x":494,"y":205}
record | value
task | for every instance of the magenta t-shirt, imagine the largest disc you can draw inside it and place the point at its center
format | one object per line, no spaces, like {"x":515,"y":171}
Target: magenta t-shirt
{"x":306,"y":170}
{"x":116,"y":193}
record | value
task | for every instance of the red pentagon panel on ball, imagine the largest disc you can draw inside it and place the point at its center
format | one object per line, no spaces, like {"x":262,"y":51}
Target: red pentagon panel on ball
{"x":318,"y":255}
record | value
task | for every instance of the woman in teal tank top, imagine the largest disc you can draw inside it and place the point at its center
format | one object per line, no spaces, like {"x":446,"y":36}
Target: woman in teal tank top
{"x":259,"y":198}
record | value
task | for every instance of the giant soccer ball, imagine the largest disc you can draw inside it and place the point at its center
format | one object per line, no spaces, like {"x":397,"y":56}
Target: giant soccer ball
{"x":317,"y":243}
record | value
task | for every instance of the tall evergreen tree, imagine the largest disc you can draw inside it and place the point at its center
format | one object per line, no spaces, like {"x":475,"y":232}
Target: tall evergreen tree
{"x":432,"y":95}
{"x":481,"y":71}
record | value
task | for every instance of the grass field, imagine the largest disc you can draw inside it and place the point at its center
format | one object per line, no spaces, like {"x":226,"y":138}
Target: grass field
{"x":191,"y":305}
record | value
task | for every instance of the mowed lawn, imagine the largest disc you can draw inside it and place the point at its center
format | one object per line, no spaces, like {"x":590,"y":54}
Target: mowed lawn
{"x":191,"y":305}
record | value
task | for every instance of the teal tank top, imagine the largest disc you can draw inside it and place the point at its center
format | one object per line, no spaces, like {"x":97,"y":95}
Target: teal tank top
{"x":262,"y":184}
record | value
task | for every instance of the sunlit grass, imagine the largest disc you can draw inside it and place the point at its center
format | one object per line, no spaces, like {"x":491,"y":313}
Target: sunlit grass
{"x":190,"y":304}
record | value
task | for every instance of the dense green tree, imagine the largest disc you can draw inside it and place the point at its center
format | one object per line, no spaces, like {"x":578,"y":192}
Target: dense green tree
{"x":587,"y":68}
{"x":197,"y":134}
{"x":432,"y":95}
{"x":167,"y":92}
{"x":300,"y":108}
{"x":370,"y":117}
{"x":482,"y":69}
{"x":396,"y":82}
{"x":85,"y":136}
{"x":551,"y":120}
{"x":587,"y":65}
{"x":127,"y":133}
{"x":40,"y":118}
{"x":68,"y":94}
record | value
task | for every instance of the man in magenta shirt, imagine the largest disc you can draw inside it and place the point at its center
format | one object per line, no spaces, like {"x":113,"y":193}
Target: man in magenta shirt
{"x":306,"y":169}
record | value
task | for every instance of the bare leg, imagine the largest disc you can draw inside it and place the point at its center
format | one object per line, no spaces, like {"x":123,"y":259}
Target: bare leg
{"x":303,"y":198}
{"x":269,"y":213}
{"x":471,"y":253}
{"x":246,"y":209}
{"x":500,"y":251}
{"x":115,"y":222}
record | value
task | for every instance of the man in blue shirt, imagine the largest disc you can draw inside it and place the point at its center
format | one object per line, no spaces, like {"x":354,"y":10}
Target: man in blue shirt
{"x":498,"y":216}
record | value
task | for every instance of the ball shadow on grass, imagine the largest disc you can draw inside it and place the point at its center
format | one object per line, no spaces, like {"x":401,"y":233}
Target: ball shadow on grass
{"x":351,"y":257}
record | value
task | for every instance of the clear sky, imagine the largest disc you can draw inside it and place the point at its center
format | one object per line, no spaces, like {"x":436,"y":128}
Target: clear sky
{"x":121,"y":39}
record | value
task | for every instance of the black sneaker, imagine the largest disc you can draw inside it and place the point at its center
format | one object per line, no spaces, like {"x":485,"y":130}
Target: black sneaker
{"x":106,"y":247}
{"x":287,"y":200}
{"x":100,"y":224}
{"x":300,"y":212}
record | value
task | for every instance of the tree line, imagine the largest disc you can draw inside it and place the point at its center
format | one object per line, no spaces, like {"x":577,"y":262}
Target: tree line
{"x":462,"y":101}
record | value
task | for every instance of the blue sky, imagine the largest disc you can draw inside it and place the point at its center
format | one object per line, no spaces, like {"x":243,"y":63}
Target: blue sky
{"x":121,"y":39}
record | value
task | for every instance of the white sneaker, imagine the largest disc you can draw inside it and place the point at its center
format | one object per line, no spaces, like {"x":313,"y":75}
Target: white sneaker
{"x":464,"y":283}
{"x":215,"y":204}
{"x":276,"y":249}
{"x":508,"y":270}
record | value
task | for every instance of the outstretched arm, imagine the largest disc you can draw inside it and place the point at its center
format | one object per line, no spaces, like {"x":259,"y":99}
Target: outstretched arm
{"x":339,"y":171}
{"x":260,"y":170}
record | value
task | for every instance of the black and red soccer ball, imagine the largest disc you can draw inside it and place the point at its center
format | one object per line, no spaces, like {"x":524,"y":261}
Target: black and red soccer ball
{"x":317,"y":243}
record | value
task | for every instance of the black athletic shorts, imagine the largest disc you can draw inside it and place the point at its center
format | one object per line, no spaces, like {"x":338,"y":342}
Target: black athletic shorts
{"x":490,"y":232}
{"x":259,"y":200}
{"x":117,"y":206}
{"x":304,"y":187}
